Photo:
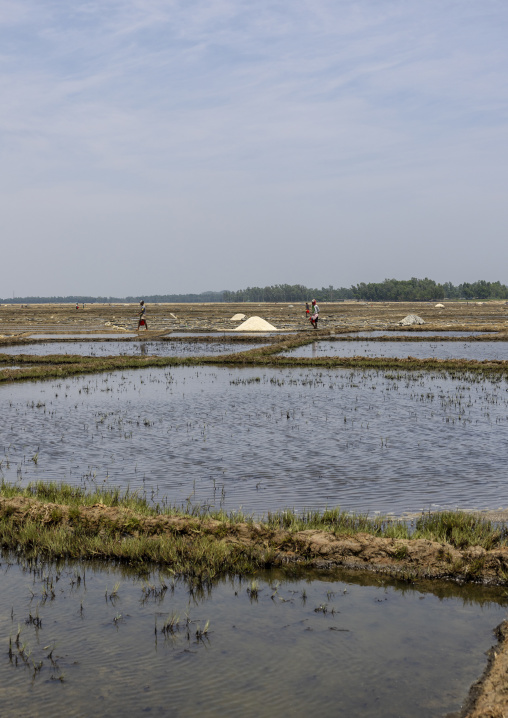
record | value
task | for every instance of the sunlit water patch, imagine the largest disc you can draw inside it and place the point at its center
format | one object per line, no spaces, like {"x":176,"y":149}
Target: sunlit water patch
{"x":266,"y":439}
{"x":84,"y":640}
{"x":478,"y":351}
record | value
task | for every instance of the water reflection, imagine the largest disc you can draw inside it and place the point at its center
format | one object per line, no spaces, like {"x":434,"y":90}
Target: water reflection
{"x":266,"y":439}
{"x":416,"y":333}
{"x":148,"y":642}
{"x":478,"y":351}
{"x":84,"y":336}
{"x":157,"y":348}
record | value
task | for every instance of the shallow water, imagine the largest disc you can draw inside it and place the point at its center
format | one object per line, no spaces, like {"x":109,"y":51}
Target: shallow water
{"x":386,"y":333}
{"x":232,"y":333}
{"x":266,"y":439}
{"x":141,"y":348}
{"x":478,"y":351}
{"x":85,"y":336}
{"x":347,"y":645}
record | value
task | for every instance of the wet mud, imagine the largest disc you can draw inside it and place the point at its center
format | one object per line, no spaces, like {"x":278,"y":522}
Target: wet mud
{"x":488,"y":697}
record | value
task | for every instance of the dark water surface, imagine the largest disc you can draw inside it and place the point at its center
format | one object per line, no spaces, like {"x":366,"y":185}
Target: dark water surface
{"x":267,"y":439}
{"x":347,"y":645}
{"x":420,"y":350}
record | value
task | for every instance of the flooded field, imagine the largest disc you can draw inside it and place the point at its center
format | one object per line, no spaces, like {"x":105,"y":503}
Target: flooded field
{"x":415,"y":333}
{"x":119,"y":336}
{"x":478,"y":351}
{"x":266,"y":439}
{"x":344,"y":645}
{"x":158,"y":348}
{"x":84,"y":337}
{"x":259,"y":440}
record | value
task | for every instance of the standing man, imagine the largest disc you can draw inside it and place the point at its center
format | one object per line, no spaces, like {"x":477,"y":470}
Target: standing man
{"x":142,"y":316}
{"x":315,"y":314}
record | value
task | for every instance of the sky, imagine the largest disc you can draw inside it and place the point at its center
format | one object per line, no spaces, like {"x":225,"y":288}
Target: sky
{"x":175,"y":146}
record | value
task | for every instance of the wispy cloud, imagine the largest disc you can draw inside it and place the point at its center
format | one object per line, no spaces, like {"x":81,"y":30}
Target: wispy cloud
{"x":341,"y":101}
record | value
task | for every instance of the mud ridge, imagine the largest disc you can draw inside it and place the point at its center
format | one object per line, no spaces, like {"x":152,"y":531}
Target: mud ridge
{"x":488,"y":697}
{"x":408,"y":559}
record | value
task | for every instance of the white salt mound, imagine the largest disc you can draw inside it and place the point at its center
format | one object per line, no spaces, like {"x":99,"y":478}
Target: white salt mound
{"x":411,"y":319}
{"x":255,"y":324}
{"x":237,"y":317}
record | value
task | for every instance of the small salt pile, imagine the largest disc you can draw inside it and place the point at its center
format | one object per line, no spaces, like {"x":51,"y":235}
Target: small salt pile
{"x":255,"y":324}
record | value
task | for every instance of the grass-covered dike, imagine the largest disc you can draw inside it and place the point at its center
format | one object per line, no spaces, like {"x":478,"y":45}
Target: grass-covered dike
{"x":63,"y":521}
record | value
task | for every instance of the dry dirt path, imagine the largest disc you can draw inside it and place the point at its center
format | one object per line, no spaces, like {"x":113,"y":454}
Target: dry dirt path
{"x":61,"y":318}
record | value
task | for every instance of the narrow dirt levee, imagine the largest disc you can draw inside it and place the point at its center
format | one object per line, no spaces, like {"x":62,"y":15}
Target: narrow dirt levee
{"x":403,"y":558}
{"x":488,"y":697}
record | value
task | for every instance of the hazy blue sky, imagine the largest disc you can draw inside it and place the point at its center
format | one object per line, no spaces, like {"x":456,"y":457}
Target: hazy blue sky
{"x":160,"y":146}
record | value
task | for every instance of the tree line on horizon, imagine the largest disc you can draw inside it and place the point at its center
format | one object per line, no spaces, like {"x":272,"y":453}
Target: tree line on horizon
{"x":390,"y":290}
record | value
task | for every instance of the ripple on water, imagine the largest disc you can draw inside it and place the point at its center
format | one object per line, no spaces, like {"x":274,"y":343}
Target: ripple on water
{"x":83,"y":336}
{"x":478,"y":351}
{"x":140,"y":348}
{"x":347,"y":645}
{"x":401,"y":333}
{"x":266,"y":439}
